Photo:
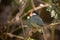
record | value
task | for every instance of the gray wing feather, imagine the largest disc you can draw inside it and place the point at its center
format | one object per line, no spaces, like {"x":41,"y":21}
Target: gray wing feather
{"x":36,"y":19}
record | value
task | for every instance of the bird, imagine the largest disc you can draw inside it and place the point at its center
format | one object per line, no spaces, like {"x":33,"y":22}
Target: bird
{"x":35,"y":19}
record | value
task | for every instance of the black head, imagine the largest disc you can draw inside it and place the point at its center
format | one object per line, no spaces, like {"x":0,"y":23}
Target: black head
{"x":35,"y":12}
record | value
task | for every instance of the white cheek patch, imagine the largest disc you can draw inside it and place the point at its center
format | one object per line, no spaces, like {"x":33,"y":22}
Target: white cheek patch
{"x":34,"y":14}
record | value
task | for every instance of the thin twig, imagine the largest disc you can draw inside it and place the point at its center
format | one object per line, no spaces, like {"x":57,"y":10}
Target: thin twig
{"x":19,"y":13}
{"x":36,"y":8}
{"x":18,"y":28}
{"x":11,"y":35}
{"x":33,"y":5}
{"x":44,"y":35}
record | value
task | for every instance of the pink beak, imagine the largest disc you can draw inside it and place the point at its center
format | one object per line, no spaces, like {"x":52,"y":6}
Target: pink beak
{"x":30,"y":15}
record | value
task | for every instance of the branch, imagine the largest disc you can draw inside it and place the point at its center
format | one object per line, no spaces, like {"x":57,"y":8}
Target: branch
{"x":36,"y":8}
{"x":52,"y":25}
{"x":39,"y":7}
{"x":24,"y":26}
{"x":33,"y":4}
{"x":11,"y":35}
{"x":18,"y":14}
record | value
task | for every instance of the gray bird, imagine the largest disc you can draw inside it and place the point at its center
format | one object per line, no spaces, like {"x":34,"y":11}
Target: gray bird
{"x":34,"y":19}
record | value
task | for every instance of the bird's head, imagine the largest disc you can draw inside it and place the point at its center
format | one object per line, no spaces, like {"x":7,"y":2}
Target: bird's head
{"x":32,"y":14}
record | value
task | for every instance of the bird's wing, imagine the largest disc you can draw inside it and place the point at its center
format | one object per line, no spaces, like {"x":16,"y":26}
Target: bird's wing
{"x":35,"y":25}
{"x":29,"y":23}
{"x":37,"y":20}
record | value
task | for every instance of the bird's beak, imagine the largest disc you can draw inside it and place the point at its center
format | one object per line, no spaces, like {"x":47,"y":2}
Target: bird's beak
{"x":30,"y":14}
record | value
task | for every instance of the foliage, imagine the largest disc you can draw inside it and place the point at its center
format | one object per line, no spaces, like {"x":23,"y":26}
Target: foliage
{"x":55,"y":9}
{"x":16,"y":27}
{"x":27,"y":8}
